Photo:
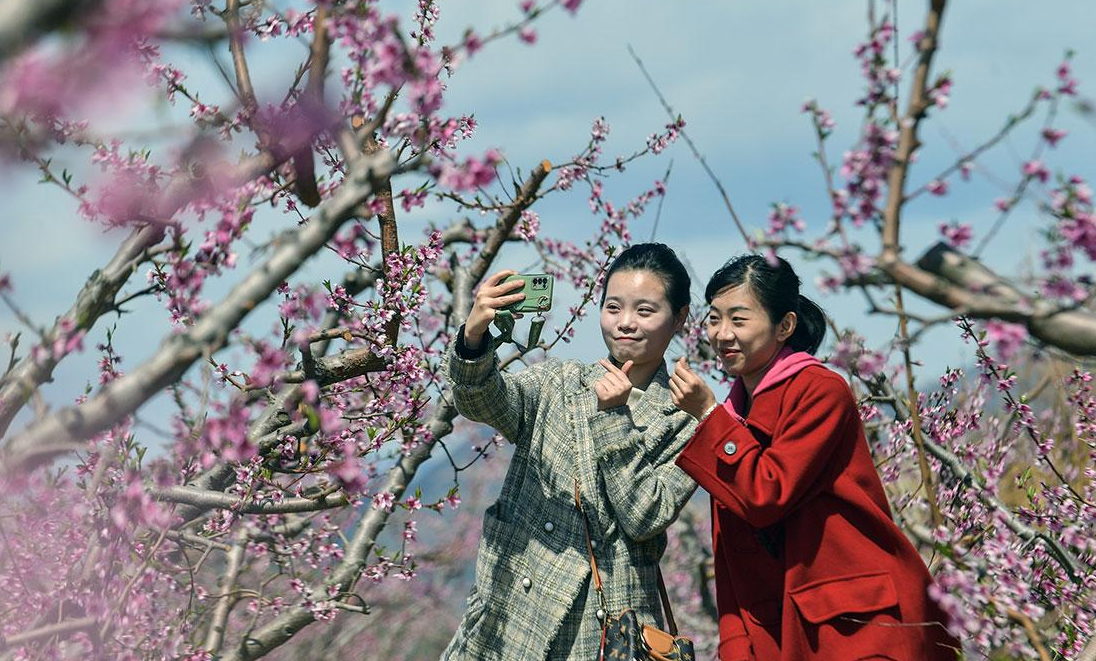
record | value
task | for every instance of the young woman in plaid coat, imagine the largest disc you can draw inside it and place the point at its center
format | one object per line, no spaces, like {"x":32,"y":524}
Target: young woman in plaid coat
{"x":610,"y":425}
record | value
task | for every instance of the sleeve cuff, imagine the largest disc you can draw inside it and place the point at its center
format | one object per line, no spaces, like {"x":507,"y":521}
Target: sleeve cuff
{"x":719,"y":439}
{"x":466,"y":353}
{"x":470,"y":368}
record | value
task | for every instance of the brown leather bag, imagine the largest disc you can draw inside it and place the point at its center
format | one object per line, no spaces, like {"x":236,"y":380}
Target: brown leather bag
{"x":623,"y":638}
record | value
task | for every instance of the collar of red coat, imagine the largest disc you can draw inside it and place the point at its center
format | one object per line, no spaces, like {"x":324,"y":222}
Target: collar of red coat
{"x":788,"y":363}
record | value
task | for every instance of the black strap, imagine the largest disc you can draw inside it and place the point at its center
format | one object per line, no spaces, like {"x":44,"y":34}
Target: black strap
{"x":670,"y":622}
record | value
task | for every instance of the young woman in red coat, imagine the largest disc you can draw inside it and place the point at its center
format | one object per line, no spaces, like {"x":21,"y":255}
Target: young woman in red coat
{"x":809,"y":563}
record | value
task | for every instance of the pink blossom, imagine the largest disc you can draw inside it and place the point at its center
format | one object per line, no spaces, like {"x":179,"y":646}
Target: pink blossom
{"x":938,"y":187}
{"x":472,"y":174}
{"x":941,"y":93}
{"x":1067,"y":83}
{"x":383,"y":501}
{"x":783,"y":216}
{"x":1037,"y":170}
{"x":1053,"y":136}
{"x":965,"y":168}
{"x":1007,"y":338}
{"x":528,"y":35}
{"x":957,"y":235}
{"x":472,"y":42}
{"x":528,"y":226}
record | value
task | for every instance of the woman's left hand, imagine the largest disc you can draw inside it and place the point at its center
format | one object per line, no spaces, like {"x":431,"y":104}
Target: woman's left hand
{"x":613,"y":388}
{"x":689,"y":392}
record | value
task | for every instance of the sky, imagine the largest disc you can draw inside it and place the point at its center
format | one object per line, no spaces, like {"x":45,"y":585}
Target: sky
{"x":738,"y":72}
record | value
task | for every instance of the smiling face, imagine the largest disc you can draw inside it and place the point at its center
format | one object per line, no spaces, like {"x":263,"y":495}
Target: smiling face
{"x":637,"y":320}
{"x":743,"y":336}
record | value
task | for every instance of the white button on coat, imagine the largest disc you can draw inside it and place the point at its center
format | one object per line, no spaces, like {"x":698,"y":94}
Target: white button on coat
{"x":730,"y":448}
{"x":549,"y":526}
{"x":526,"y":583}
{"x":600,"y":614}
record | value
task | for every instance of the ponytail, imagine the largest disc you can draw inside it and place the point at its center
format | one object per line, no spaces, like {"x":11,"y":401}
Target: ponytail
{"x":810,"y":327}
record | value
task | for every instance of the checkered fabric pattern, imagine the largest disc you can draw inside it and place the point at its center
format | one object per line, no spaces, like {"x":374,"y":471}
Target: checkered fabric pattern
{"x":533,"y":598}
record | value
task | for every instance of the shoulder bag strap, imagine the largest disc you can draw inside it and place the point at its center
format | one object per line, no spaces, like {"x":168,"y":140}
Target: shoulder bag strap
{"x":590,"y":550}
{"x":670,"y":622}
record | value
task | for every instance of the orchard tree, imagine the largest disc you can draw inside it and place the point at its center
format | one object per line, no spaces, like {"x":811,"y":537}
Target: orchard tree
{"x":279,"y":520}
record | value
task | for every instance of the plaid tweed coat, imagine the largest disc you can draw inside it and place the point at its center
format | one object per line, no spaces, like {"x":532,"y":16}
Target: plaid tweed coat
{"x":533,"y":597}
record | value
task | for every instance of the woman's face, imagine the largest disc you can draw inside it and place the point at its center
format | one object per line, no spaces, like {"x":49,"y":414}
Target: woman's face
{"x":743,"y":336}
{"x":637,"y":320}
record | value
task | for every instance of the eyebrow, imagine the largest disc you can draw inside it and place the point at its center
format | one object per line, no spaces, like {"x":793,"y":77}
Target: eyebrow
{"x":737,"y":308}
{"x":641,"y":301}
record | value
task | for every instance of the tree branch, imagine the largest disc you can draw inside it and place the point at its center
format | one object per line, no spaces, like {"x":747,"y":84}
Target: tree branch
{"x":285,"y":626}
{"x":59,"y":629}
{"x":692,"y":147}
{"x":210,"y":332}
{"x":95,"y":299}
{"x":966,"y":286}
{"x":908,"y":142}
{"x":1065,"y":558}
{"x":219,"y":500}
{"x":226,"y":600}
{"x":505,"y":225}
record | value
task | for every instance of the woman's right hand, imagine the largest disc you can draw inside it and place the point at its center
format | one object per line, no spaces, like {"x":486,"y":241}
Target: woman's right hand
{"x":491,"y":296}
{"x":689,"y":392}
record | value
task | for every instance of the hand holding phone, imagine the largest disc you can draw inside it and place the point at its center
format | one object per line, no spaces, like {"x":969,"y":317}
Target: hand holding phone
{"x":494,"y":295}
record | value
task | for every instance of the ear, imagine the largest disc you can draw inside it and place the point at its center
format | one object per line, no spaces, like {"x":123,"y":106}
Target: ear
{"x":680,"y":318}
{"x":786,"y":327}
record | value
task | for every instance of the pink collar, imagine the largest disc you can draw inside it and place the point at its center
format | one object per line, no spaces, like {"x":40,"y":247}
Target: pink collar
{"x":788,"y":363}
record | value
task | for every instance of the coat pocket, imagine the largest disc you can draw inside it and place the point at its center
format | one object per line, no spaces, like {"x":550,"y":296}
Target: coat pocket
{"x":859,"y":593}
{"x":857,"y":614}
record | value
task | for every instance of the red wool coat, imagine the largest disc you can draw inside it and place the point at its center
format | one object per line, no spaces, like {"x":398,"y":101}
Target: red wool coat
{"x":809,"y":563}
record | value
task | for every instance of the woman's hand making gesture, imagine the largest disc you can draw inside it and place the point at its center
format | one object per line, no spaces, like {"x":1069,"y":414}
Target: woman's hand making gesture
{"x":690,"y":393}
{"x":613,"y":388}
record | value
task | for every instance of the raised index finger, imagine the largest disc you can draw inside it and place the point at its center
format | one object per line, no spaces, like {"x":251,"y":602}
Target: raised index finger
{"x":612,"y":369}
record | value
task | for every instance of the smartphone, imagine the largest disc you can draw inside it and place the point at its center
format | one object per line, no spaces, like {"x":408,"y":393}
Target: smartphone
{"x":537,"y":290}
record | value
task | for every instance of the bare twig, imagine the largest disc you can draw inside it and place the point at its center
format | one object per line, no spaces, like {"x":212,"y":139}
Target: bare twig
{"x":692,"y":147}
{"x":1034,"y":637}
{"x":915,"y":413}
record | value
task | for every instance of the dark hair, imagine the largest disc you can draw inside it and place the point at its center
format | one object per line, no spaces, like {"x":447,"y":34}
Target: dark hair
{"x":660,"y":259}
{"x":776,"y":286}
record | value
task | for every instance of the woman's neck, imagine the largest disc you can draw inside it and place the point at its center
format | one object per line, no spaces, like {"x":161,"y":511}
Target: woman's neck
{"x":751,"y":381}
